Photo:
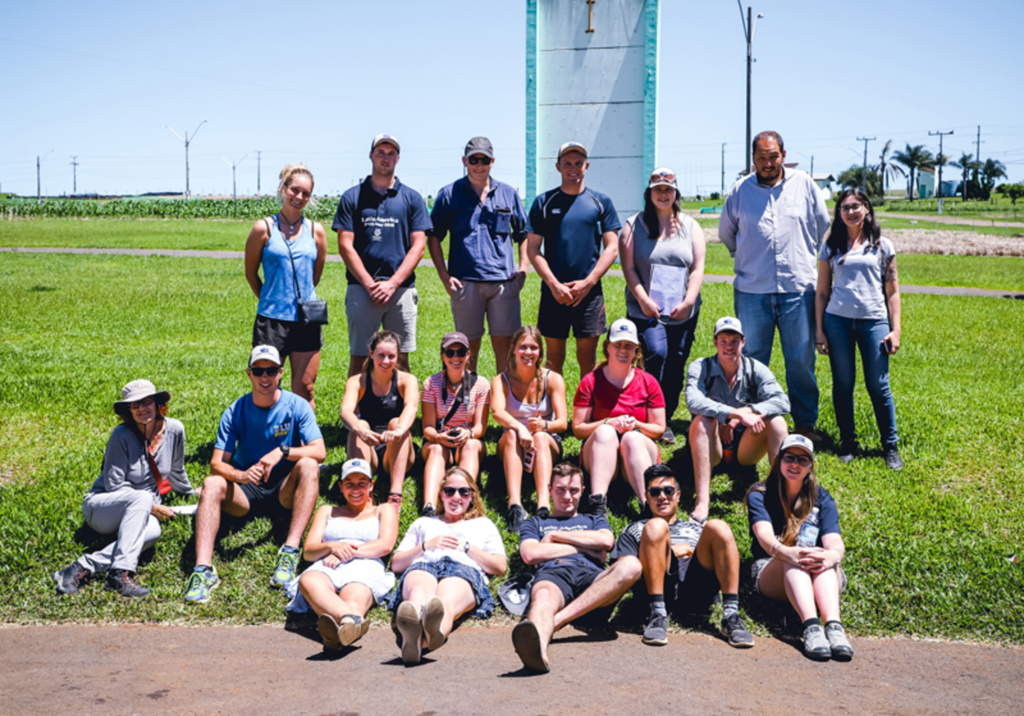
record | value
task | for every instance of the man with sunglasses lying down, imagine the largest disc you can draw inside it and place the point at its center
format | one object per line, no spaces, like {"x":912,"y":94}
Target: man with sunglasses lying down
{"x":485,"y":273}
{"x":266,"y":461}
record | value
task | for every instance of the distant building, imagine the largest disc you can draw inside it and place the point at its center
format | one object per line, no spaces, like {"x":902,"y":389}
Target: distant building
{"x":824,"y":182}
{"x":925,"y":183}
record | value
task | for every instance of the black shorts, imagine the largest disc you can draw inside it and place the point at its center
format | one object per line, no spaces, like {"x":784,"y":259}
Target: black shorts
{"x":287,"y":336}
{"x":731,"y":449}
{"x":571,"y":576}
{"x":264,"y":498}
{"x":695,"y":593}
{"x":587,"y":320}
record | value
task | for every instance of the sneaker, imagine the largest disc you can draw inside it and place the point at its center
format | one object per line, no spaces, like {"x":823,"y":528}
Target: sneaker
{"x":287,"y":563}
{"x":847,"y":451}
{"x":736,"y":632}
{"x":70,"y":579}
{"x":428,"y":511}
{"x":515,"y":518}
{"x":120,"y":581}
{"x":815,"y":644}
{"x":433,"y":615}
{"x":328,"y":629}
{"x":808,"y":432}
{"x":656,"y":631}
{"x":410,"y":629}
{"x":837,"y":642}
{"x":668,"y":437}
{"x":892,"y":458}
{"x":200,"y":586}
{"x":645,"y":511}
{"x":597,"y":505}
{"x":543,"y":513}
{"x":526,"y":640}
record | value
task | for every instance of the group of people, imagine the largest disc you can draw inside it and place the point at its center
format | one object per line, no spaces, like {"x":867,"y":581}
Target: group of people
{"x":269,"y":447}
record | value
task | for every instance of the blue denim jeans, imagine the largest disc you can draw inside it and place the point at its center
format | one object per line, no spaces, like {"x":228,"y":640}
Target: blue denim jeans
{"x":793,"y":313}
{"x":666,"y":350}
{"x":842,"y":334}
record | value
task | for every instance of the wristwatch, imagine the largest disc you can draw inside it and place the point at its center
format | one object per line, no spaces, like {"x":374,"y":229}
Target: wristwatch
{"x":466,"y":548}
{"x":285,"y":450}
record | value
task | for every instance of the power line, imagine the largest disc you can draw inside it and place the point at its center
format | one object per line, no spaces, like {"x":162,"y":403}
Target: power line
{"x":864,"y":168}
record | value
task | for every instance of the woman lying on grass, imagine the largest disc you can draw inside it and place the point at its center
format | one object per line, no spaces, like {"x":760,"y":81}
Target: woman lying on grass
{"x":445,"y":561}
{"x":797,"y":548}
{"x":348,"y":543}
{"x":144,"y":459}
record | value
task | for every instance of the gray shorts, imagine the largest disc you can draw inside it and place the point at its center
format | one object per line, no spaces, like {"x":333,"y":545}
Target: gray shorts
{"x":366,"y":318}
{"x":759,"y":564}
{"x":499,"y":300}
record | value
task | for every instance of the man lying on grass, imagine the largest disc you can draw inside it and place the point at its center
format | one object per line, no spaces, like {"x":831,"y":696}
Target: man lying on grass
{"x":265,"y":462}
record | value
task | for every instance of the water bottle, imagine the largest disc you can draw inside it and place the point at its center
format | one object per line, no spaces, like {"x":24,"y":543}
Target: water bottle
{"x":808,"y":534}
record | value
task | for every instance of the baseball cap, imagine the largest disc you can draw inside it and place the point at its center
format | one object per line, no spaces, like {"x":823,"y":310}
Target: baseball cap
{"x":623,"y":330}
{"x":479,"y":145}
{"x":798,"y":441}
{"x":663,"y":176}
{"x":454,"y":338}
{"x":572,"y":147}
{"x":264,"y":353}
{"x":728,"y":323}
{"x":385,"y":138}
{"x":356,"y":466}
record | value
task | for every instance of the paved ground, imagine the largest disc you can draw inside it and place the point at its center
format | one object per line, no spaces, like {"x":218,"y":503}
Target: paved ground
{"x":238,"y":255}
{"x":267,"y":670}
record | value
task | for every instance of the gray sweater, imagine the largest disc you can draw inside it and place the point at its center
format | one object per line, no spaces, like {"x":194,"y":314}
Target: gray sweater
{"x":125,"y":462}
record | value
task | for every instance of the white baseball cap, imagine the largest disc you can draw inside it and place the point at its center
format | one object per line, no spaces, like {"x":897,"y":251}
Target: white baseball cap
{"x":623,"y":330}
{"x":356,"y":466}
{"x":728,"y":323}
{"x":264,"y":353}
{"x":385,"y":139}
{"x":798,"y":441}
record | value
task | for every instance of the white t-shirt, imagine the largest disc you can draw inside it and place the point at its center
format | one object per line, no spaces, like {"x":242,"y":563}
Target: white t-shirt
{"x":479,"y":532}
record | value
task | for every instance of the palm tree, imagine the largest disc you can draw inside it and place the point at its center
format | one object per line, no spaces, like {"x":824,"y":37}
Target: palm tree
{"x":914,"y":158}
{"x":990,"y":171}
{"x":886,"y":167}
{"x":941,"y":160}
{"x":967,"y":164}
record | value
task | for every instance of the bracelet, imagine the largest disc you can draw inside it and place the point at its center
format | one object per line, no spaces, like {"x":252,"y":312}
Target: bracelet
{"x":423,"y":546}
{"x":545,"y":426}
{"x":775,"y":548}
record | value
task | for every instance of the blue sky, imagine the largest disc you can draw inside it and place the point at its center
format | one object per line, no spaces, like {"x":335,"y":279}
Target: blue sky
{"x":314,"y":82}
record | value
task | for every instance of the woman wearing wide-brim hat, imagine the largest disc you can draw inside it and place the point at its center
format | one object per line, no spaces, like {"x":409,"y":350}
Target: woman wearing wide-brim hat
{"x":144,"y":459}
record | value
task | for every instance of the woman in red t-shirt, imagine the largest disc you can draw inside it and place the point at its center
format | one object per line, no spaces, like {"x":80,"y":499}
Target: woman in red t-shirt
{"x":619,"y":411}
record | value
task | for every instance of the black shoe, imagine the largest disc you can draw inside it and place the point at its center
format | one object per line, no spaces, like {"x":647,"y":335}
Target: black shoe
{"x":543,"y":513}
{"x":515,"y":518}
{"x":70,"y":579}
{"x":428,"y":511}
{"x":120,"y":581}
{"x":736,"y":632}
{"x":645,"y":511}
{"x":892,"y":458}
{"x":597,"y":505}
{"x":847,"y":451}
{"x":656,"y":631}
{"x":668,"y":437}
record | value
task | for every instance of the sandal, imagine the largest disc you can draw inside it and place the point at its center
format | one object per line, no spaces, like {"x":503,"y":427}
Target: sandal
{"x":395,"y":498}
{"x":698,"y":520}
{"x":350,"y":632}
{"x":329,"y":631}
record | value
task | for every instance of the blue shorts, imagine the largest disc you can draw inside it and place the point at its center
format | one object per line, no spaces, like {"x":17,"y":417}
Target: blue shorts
{"x":446,"y":568}
{"x":571,"y":576}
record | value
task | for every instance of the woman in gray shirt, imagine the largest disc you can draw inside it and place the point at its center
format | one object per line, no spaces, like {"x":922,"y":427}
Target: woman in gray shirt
{"x":144,"y":459}
{"x":858,"y":304}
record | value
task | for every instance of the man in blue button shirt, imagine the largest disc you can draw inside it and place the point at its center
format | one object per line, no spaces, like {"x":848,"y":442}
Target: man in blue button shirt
{"x":773,"y":223}
{"x":485,"y":220}
{"x":381,"y":225}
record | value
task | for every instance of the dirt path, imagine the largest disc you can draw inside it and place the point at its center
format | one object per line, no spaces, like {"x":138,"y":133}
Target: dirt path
{"x":267,"y":670}
{"x":945,"y":219}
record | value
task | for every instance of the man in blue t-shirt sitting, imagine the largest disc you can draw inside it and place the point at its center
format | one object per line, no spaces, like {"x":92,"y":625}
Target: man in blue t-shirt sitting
{"x":568,"y":551}
{"x":485,"y":220}
{"x":266,"y":460}
{"x":578,"y":228}
{"x":381,"y":225}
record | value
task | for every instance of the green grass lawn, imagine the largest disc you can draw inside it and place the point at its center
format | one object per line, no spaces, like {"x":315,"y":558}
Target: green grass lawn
{"x":929,"y":547}
{"x":892,"y":222}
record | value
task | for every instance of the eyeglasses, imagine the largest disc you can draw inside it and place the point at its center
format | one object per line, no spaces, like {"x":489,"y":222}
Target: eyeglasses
{"x":658,"y":491}
{"x":800,"y":460}
{"x":851,"y":208}
{"x":144,"y":403}
{"x":474,"y":160}
{"x":272,"y":371}
{"x":463,"y":491}
{"x":456,"y":352}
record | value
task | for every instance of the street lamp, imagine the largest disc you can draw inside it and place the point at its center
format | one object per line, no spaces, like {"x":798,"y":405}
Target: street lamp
{"x":187,"y":141}
{"x":233,"y":165}
{"x":39,"y":186}
{"x":749,"y":23}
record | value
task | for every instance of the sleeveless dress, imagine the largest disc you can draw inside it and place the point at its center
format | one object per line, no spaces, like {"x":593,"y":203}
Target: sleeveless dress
{"x":370,"y":572}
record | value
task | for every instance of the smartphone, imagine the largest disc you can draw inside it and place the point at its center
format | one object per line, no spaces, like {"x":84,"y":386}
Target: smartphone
{"x":887,"y":344}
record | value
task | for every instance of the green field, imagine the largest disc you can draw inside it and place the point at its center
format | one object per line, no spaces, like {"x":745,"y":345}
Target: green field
{"x":929,"y":547}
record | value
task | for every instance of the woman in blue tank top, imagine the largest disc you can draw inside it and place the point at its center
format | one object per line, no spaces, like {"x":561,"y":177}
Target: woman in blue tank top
{"x":273,"y":244}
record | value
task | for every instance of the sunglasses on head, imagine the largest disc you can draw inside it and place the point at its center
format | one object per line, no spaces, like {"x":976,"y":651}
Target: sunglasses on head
{"x":486,"y":161}
{"x":658,"y":491}
{"x":456,"y":352}
{"x":272,"y":371}
{"x":463,"y":491}
{"x":801,"y":460}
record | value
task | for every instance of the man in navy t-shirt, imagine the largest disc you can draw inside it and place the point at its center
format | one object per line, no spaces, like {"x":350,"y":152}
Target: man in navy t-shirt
{"x":266,"y":458}
{"x":381,"y":225}
{"x":568,"y":551}
{"x":485,"y":220}
{"x":578,"y":228}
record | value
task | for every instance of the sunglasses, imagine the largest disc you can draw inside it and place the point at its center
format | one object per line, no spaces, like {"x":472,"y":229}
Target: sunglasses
{"x":658,"y":491}
{"x":144,"y":403}
{"x":486,"y":161}
{"x":662,"y":176}
{"x":800,"y":460}
{"x":269,"y":371}
{"x":456,"y":352}
{"x":463,"y":491}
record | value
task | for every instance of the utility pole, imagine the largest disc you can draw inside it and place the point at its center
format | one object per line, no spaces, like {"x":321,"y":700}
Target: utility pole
{"x":187,"y":141}
{"x":977,"y":154}
{"x":723,"y":170}
{"x":39,"y":183}
{"x":940,"y":135}
{"x":748,"y":32}
{"x":258,"y":192}
{"x":864,"y":167}
{"x":233,"y":165}
{"x":74,"y":175}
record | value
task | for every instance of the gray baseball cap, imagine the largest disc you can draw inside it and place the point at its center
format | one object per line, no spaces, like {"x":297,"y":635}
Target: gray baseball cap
{"x":479,"y":145}
{"x":572,"y":147}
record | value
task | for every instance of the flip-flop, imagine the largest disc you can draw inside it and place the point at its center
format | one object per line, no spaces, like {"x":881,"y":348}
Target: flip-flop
{"x":411,"y":630}
{"x":526,"y":640}
{"x":329,"y":631}
{"x":698,"y":520}
{"x":433,"y":615}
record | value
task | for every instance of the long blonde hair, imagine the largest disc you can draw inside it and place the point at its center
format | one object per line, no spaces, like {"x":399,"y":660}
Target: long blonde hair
{"x":534,"y":333}
{"x":288,"y":175}
{"x":476,"y":507}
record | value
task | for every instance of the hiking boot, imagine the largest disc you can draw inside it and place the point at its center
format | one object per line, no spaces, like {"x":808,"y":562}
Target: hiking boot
{"x":808,"y":432}
{"x":515,"y":518}
{"x":428,"y":511}
{"x":597,"y":505}
{"x":736,"y":632}
{"x":120,"y":581}
{"x":200,"y":585}
{"x":847,"y":451}
{"x":70,"y":579}
{"x":287,"y":563}
{"x":410,"y":629}
{"x":668,"y":437}
{"x":526,"y":640}
{"x":837,"y":642}
{"x":892,"y":458}
{"x":656,"y":631}
{"x":815,"y":644}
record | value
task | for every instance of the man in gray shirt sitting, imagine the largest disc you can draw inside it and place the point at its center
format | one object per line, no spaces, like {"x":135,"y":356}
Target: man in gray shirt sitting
{"x":728,"y":393}
{"x":773,"y":222}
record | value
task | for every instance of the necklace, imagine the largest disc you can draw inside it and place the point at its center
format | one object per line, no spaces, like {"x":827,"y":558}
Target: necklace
{"x":291,"y":224}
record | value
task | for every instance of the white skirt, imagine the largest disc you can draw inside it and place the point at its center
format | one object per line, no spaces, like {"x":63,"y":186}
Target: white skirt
{"x":369,"y":572}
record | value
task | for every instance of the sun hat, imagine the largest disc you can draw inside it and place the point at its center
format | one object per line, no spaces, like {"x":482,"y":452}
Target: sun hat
{"x":728,"y":323}
{"x":137,"y":390}
{"x":623,"y":330}
{"x":264,"y":353}
{"x":797,"y":441}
